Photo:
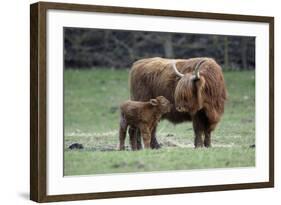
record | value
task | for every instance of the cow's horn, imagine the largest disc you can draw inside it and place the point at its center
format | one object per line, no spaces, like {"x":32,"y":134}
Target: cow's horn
{"x":176,"y":70}
{"x":196,"y":70}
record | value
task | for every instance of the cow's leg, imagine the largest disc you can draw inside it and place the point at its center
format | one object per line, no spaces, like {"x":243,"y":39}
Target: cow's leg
{"x":198,"y":131}
{"x":146,"y":136}
{"x":122,"y":133}
{"x":198,"y":141}
{"x":133,"y":138}
{"x":207,"y":140}
{"x":153,"y":143}
{"x":207,"y":132}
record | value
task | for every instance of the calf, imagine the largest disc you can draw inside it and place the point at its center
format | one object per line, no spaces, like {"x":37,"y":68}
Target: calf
{"x":141,"y":115}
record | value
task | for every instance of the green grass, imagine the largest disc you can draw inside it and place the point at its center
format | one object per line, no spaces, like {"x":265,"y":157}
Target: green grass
{"x":91,"y":100}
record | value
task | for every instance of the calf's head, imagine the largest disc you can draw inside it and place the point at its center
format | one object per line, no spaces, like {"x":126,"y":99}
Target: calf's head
{"x":162,"y":103}
{"x":189,"y":89}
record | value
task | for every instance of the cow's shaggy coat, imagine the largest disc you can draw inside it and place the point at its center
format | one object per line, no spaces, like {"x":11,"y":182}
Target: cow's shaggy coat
{"x":195,"y":86}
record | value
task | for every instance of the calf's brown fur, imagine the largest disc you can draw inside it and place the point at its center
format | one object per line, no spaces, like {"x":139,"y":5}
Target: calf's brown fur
{"x":143,"y":116}
{"x":195,"y":86}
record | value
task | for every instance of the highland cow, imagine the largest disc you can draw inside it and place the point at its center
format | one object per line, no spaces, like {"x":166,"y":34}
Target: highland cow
{"x":141,"y":115}
{"x":195,"y":86}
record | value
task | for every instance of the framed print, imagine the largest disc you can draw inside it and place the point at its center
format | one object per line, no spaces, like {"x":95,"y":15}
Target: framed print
{"x":134,"y":102}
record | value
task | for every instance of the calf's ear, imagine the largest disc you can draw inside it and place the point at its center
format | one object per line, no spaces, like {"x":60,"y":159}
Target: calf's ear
{"x":153,"y":102}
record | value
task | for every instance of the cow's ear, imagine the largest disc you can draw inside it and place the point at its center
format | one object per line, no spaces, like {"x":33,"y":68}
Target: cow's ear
{"x":153,"y":102}
{"x":200,"y":85}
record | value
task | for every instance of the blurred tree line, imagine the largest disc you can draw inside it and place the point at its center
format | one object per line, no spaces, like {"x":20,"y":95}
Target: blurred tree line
{"x":88,"y":48}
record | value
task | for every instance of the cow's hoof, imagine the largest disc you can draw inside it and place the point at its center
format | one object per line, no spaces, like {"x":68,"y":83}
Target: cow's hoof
{"x":198,"y":146}
{"x":156,"y":146}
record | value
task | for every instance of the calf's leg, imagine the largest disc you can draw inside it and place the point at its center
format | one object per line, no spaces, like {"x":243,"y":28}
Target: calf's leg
{"x":138,"y":138}
{"x":146,"y":136}
{"x":133,"y":137}
{"x":122,"y":133}
{"x":154,"y":143}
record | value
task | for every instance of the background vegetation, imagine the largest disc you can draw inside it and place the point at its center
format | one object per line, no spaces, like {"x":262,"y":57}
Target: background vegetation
{"x":89,"y":48}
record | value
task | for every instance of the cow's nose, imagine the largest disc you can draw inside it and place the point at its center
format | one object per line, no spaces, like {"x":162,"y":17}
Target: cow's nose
{"x":179,"y":109}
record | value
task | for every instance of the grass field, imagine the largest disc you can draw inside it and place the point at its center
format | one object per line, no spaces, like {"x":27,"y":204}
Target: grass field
{"x":91,"y":116}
